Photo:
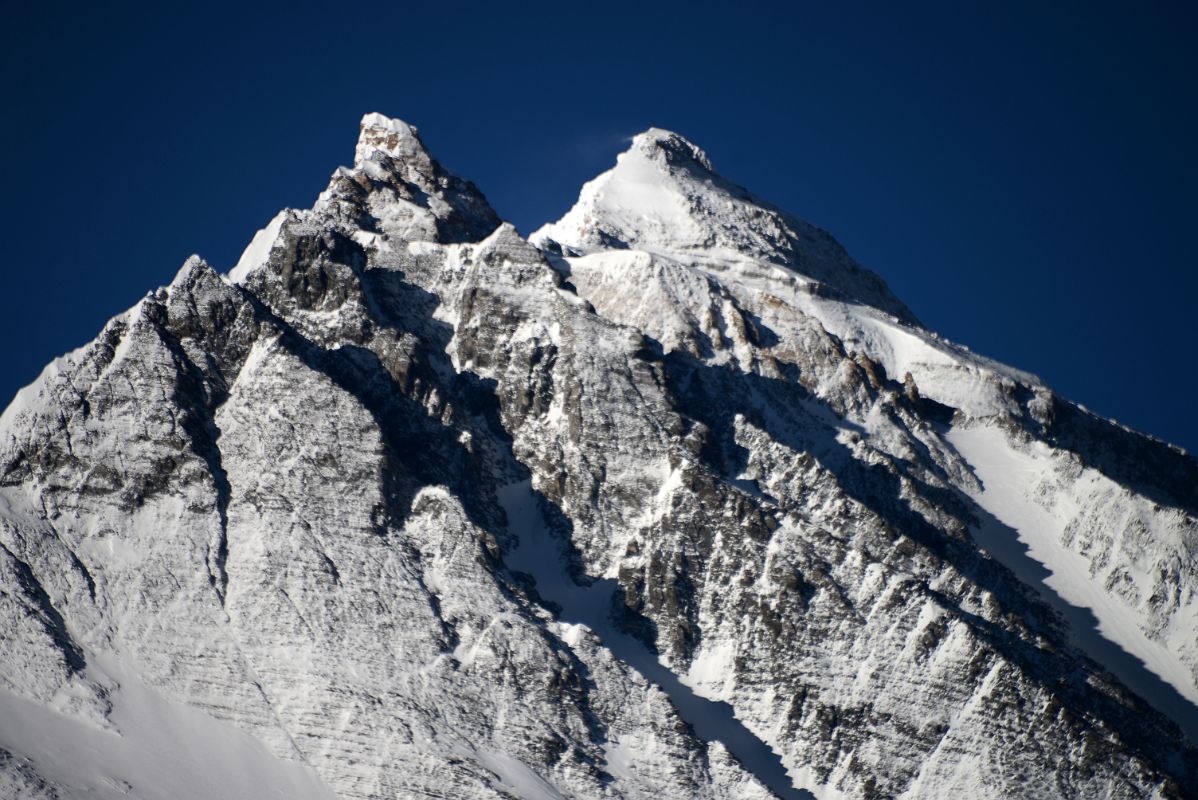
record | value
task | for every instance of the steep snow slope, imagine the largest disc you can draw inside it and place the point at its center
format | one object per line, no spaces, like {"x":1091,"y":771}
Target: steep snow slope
{"x":153,"y":746}
{"x":679,"y":503}
{"x":1020,"y":489}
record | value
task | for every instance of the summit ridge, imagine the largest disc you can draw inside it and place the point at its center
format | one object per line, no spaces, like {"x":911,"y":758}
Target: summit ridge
{"x":664,"y":197}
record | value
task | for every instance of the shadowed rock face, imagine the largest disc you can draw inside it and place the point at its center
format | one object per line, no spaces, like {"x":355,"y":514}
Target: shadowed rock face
{"x":667,"y":506}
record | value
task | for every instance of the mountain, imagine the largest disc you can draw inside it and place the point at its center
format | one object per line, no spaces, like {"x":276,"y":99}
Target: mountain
{"x":671,"y":500}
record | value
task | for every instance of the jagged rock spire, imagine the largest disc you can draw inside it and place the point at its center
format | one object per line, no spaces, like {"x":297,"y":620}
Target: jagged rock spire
{"x":399,"y":189}
{"x":392,"y":137}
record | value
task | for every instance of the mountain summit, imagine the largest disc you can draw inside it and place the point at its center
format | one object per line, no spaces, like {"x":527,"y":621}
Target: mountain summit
{"x":673,"y":500}
{"x":665,"y":197}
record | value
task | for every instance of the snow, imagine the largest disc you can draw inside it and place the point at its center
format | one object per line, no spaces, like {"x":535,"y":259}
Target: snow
{"x":518,"y":777}
{"x":259,"y":249}
{"x":636,"y":199}
{"x":667,"y":479}
{"x":1025,"y":535}
{"x":162,"y":749}
{"x":391,"y":136}
{"x":540,"y":554}
{"x":31,"y":399}
{"x":621,"y":760}
{"x":944,"y":372}
{"x":403,"y":664}
{"x":714,"y":666}
{"x":660,"y":292}
{"x":419,"y":248}
{"x":397,"y":126}
{"x":659,"y":236}
{"x":631,"y":197}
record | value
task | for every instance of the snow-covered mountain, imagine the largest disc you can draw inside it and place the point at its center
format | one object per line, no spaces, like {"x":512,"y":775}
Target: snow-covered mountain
{"x":672,"y":500}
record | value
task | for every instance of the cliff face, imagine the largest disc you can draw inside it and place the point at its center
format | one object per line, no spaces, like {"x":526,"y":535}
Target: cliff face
{"x":675,"y":501}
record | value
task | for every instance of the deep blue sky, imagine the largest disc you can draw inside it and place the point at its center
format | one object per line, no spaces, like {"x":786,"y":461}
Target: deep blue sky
{"x":1024,"y":175}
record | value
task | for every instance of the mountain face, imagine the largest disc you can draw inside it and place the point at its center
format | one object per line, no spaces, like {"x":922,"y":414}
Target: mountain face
{"x":671,"y":500}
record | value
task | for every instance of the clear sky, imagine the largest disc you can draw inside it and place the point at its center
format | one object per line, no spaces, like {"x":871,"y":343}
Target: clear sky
{"x":1023,"y":175}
